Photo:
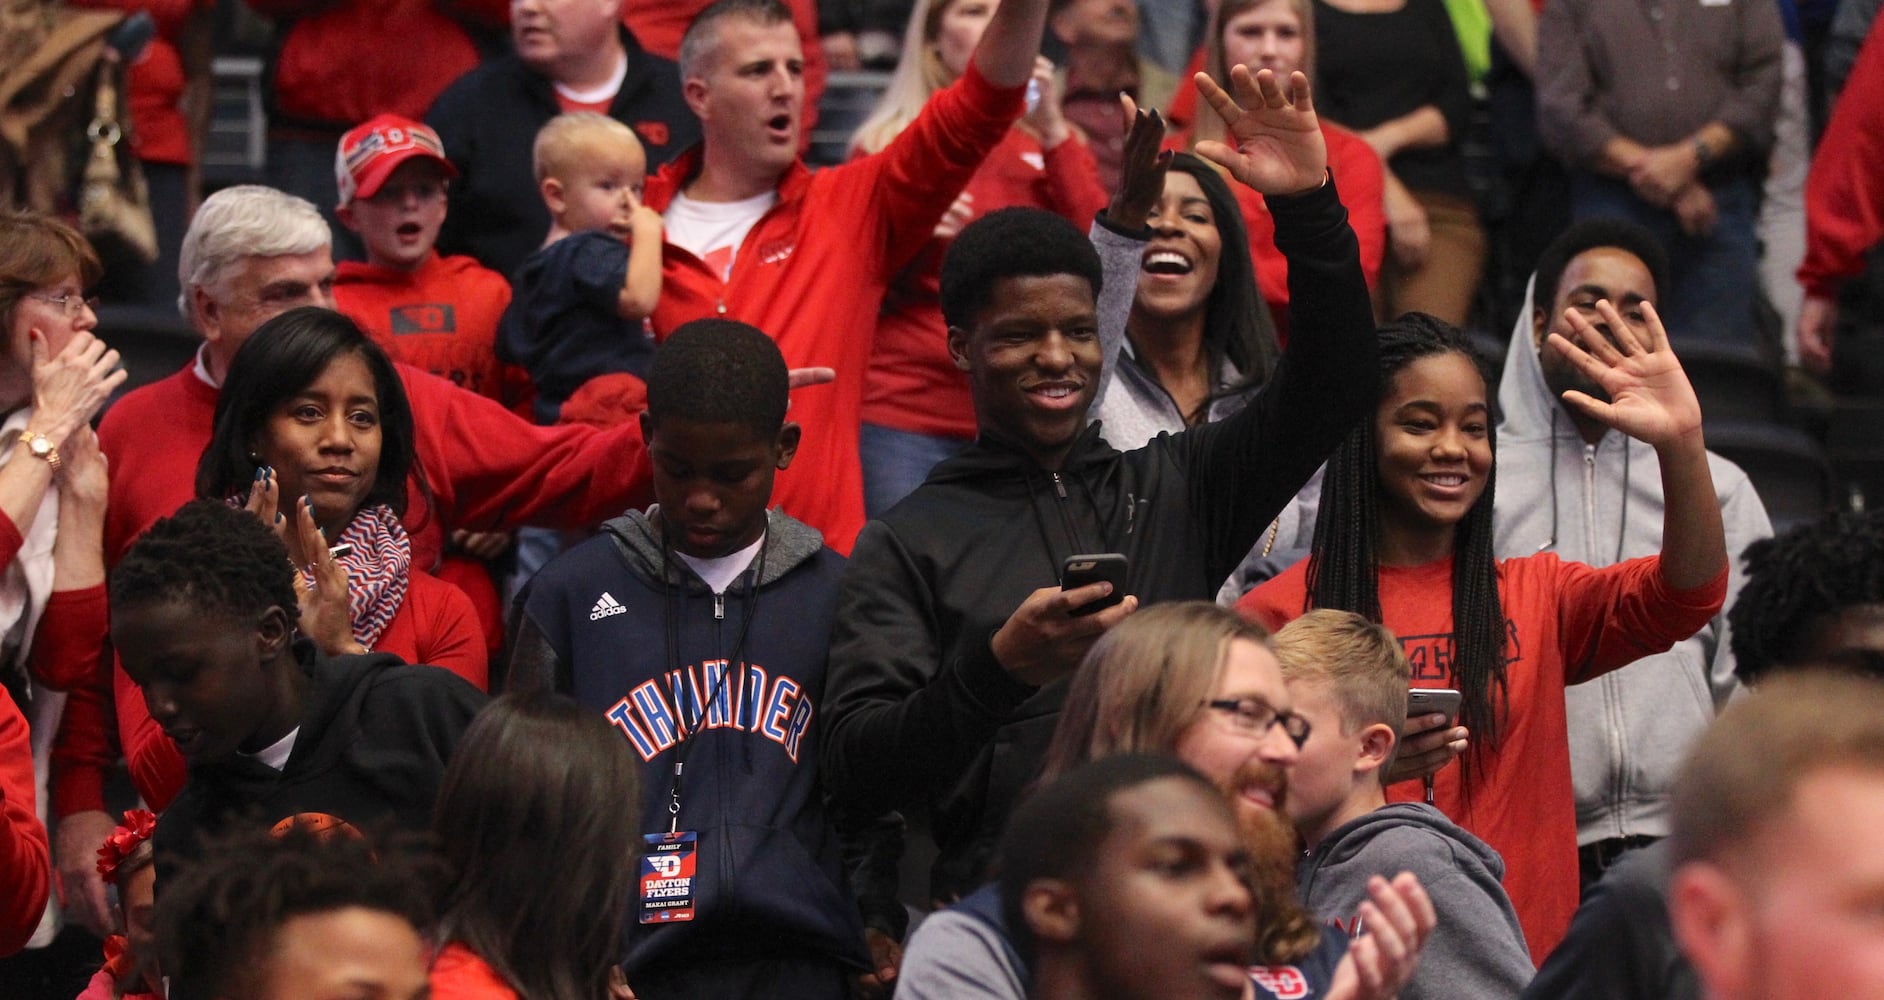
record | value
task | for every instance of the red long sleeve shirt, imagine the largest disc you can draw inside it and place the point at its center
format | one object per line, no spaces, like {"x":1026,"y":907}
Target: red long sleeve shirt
{"x":1568,"y":623}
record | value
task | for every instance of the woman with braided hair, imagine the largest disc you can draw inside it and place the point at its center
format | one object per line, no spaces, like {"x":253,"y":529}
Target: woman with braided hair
{"x":1404,"y":538}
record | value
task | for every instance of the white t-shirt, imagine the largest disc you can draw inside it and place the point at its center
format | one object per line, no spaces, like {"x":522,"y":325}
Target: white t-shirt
{"x":600,"y":96}
{"x":720,"y":573}
{"x":713,"y":230}
{"x":275,"y":754}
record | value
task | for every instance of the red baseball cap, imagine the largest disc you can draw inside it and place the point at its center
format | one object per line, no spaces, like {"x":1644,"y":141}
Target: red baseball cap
{"x":370,"y":152}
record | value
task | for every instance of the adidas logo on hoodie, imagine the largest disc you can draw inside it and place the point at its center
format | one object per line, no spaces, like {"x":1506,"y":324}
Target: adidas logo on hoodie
{"x":605,"y":606}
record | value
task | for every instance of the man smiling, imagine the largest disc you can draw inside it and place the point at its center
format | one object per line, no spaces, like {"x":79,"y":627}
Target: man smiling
{"x":951,"y":632}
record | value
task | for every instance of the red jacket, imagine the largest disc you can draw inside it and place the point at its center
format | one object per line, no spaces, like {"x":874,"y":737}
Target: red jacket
{"x":1844,"y":192}
{"x":344,"y":61}
{"x":160,"y":131}
{"x":25,"y":860}
{"x":813,"y":270}
{"x":659,"y":25}
{"x":913,"y":384}
{"x":487,"y":468}
{"x":1568,"y":624}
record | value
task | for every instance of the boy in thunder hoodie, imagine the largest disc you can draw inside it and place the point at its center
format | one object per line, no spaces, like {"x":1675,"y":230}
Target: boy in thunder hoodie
{"x":1348,"y":678}
{"x":700,"y":630}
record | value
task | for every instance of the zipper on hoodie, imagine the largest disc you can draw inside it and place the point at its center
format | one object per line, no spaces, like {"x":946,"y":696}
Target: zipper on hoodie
{"x":1589,"y":502}
{"x":1059,"y":488}
{"x":719,"y":607}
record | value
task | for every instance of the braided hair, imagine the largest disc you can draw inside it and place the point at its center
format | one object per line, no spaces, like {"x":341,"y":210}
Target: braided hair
{"x":1344,"y":567}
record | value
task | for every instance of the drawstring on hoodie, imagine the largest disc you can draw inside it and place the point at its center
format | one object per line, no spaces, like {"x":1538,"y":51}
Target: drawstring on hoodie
{"x":676,"y":596}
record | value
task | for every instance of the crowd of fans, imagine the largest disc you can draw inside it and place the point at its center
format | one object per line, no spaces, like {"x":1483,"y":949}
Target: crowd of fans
{"x":1075,"y":547}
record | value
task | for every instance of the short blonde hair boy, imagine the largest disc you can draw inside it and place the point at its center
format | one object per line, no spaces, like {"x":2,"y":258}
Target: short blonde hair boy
{"x":1360,"y":664}
{"x":567,"y":139}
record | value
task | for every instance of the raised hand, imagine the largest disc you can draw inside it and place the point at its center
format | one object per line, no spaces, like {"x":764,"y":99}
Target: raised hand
{"x":265,"y":503}
{"x":1650,"y":398}
{"x":70,"y":387}
{"x":1046,"y":119}
{"x":321,"y":586}
{"x":1141,"y":168}
{"x":1398,"y":917}
{"x":1275,"y":142}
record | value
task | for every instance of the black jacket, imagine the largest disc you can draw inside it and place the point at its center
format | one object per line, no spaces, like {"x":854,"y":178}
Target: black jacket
{"x":919,"y":709}
{"x":488,"y":120}
{"x":375,"y":737}
{"x":635,"y":635}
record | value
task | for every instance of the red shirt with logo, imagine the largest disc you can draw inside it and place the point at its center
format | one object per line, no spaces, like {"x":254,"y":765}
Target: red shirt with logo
{"x":441,"y":317}
{"x":1566,"y":623}
{"x":812,"y":272}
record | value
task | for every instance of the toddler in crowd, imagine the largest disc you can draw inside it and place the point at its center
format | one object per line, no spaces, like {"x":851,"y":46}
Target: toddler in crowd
{"x":1348,"y":677}
{"x":578,"y":321}
{"x":429,"y":311}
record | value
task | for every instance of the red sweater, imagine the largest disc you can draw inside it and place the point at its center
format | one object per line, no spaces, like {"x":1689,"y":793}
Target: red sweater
{"x":1568,"y":623}
{"x":659,"y":24}
{"x":488,"y":470}
{"x":913,"y":384}
{"x":458,"y":974}
{"x":25,"y":860}
{"x":441,"y":317}
{"x":435,"y":624}
{"x":344,"y":61}
{"x":71,"y":630}
{"x":812,"y":273}
{"x":1844,"y":192}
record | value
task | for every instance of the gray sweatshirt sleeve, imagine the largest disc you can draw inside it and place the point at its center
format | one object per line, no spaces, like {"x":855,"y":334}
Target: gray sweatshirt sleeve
{"x":953,"y":956}
{"x":1119,"y":256}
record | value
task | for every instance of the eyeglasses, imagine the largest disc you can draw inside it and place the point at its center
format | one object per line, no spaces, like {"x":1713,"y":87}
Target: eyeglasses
{"x":70,"y":302}
{"x":1253,"y":716}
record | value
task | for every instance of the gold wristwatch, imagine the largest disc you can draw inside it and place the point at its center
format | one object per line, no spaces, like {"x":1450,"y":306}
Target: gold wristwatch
{"x":41,"y":446}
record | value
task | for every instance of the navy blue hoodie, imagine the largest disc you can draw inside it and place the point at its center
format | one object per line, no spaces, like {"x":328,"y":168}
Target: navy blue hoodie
{"x":630,"y":631}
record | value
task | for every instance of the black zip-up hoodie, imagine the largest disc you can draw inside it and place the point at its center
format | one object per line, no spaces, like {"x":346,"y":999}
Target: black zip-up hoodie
{"x":375,"y":737}
{"x":769,"y":877}
{"x":920,"y":710}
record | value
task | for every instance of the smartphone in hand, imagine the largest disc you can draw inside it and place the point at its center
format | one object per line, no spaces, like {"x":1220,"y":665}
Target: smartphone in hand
{"x":1081,"y":570}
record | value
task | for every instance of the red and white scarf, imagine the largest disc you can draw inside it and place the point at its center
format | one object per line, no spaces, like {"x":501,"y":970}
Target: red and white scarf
{"x":378,"y":570}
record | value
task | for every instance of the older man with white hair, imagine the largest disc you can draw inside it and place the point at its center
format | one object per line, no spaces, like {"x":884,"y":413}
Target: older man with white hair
{"x":251,"y":254}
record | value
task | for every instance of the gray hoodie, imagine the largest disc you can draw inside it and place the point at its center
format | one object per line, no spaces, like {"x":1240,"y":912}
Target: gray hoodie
{"x":1477,"y":950}
{"x":1628,"y":728}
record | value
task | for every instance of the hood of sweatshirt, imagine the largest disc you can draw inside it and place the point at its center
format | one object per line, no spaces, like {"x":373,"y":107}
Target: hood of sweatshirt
{"x":788,"y":542}
{"x":1349,"y":840}
{"x":1528,"y":410}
